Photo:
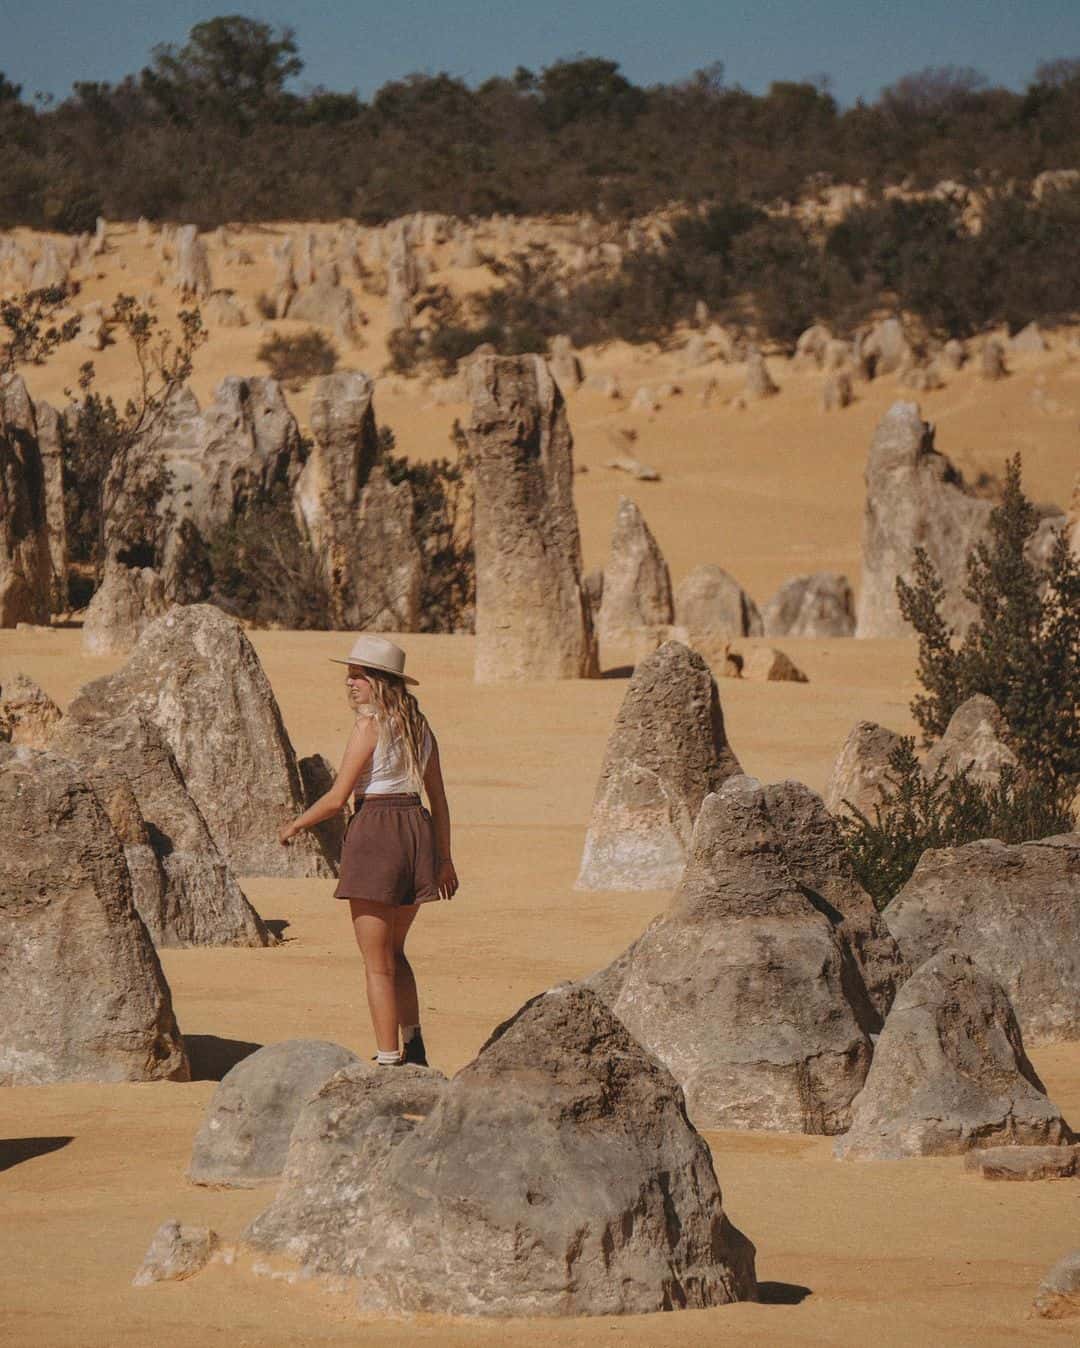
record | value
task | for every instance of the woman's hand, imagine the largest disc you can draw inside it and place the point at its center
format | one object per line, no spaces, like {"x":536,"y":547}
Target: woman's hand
{"x":446,"y":880}
{"x":287,"y":832}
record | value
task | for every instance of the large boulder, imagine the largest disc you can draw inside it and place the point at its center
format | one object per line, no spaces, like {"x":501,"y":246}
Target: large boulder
{"x":1016,"y":910}
{"x":556,"y":1174}
{"x":914,"y":497}
{"x":821,"y":863}
{"x":747,"y":988}
{"x":83,"y":996}
{"x":820,"y":605}
{"x":711,"y":604}
{"x":244,"y":1136}
{"x":128,"y":599}
{"x":667,"y":750}
{"x":858,"y":774}
{"x":195,"y":675}
{"x":25,"y":567}
{"x":974,"y":742}
{"x":532,"y":619}
{"x":636,"y":589}
{"x":184,"y":891}
{"x":950,"y":1073}
{"x":360,"y":526}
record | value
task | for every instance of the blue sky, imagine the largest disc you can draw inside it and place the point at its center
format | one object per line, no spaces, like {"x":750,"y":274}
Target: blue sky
{"x":357,"y":44}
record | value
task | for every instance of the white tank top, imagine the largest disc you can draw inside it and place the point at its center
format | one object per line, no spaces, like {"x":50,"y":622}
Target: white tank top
{"x":386,"y":772}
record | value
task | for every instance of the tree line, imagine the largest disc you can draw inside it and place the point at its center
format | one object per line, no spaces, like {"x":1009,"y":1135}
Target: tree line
{"x":211,"y":131}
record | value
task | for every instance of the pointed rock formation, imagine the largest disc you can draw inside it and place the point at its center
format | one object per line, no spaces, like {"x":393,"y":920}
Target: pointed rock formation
{"x":974,"y":741}
{"x":244,"y":1136}
{"x":820,"y":605}
{"x":588,"y":1193}
{"x":195,"y":675}
{"x":759,"y":382}
{"x":83,"y":996}
{"x":51,"y":448}
{"x":949,"y":1072}
{"x":667,"y":750}
{"x":25,"y":569}
{"x":636,"y":592}
{"x":361,"y":527}
{"x":184,"y":891}
{"x":860,"y":769}
{"x":128,"y":599}
{"x":712,"y":604}
{"x":532,"y":620}
{"x":914,"y":495}
{"x":746,"y":990}
{"x":765,"y":664}
{"x":1014,"y":909}
{"x":821,"y":863}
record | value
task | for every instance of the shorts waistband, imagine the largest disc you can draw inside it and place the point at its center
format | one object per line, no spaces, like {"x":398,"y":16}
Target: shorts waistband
{"x":398,"y":798}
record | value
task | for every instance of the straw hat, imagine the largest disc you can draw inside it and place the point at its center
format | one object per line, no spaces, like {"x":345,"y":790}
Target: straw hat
{"x":377,"y":653}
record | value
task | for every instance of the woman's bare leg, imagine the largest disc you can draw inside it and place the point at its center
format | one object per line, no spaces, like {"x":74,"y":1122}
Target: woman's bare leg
{"x":374,"y":925}
{"x":408,"y":1003}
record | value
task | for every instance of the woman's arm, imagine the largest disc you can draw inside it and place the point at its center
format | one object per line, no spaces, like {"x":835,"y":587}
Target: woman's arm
{"x":445,"y":874}
{"x":361,"y":745}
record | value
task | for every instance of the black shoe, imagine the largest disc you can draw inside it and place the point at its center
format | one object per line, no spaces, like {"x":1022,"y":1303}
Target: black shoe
{"x":415,"y":1052}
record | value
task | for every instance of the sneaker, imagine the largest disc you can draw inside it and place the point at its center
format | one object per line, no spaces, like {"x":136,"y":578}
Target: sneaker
{"x":415,"y":1052}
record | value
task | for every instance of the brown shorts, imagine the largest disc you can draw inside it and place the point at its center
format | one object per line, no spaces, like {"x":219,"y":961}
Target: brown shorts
{"x":388,"y":855}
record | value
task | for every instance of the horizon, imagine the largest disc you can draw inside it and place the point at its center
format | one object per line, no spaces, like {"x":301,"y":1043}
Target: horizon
{"x":58,"y":42}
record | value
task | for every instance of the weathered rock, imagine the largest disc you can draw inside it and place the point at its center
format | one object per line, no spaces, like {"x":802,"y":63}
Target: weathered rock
{"x":27,"y":714}
{"x":837,"y":392}
{"x":565,"y":365}
{"x":176,"y":1252}
{"x":1028,"y":341}
{"x":765,"y":664}
{"x":859,"y":772}
{"x":191,"y":276}
{"x":711,"y":602}
{"x":1024,"y":1163}
{"x":25,"y":572}
{"x":914,"y":495}
{"x":626,"y":463}
{"x":83,"y":997}
{"x":974,"y":741}
{"x":559,"y":1099}
{"x":196,"y":676}
{"x":1014,"y":909}
{"x":128,"y":599}
{"x":184,"y":891}
{"x":1058,"y":1296}
{"x":811,"y":346}
{"x":819,"y":605}
{"x":922,"y":378}
{"x":532,"y":620}
{"x":328,"y":303}
{"x":950,"y":1073}
{"x":223,"y":310}
{"x":317,"y":777}
{"x":745,"y":989}
{"x":50,"y":270}
{"x":47,"y":421}
{"x":821,"y":863}
{"x":93,"y":332}
{"x":759,"y":382}
{"x":992,"y":360}
{"x":837,"y":356}
{"x":244,"y":1136}
{"x":637,"y":585}
{"x":1072,"y":524}
{"x":885,"y":349}
{"x":954,"y":354}
{"x":361,"y":527}
{"x":667,"y":750}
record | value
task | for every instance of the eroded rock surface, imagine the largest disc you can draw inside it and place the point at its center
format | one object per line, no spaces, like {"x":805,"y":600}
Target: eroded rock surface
{"x":636,"y":590}
{"x":820,"y":605}
{"x":28,"y":715}
{"x":710,"y":602}
{"x":974,"y":741}
{"x":176,"y":1252}
{"x":25,"y":565}
{"x":860,"y":769}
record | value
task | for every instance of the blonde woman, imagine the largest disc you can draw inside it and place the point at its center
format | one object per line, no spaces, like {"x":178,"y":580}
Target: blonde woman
{"x":396,"y":854}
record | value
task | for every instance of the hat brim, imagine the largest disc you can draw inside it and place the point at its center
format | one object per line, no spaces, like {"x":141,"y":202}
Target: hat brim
{"x":370,"y":664}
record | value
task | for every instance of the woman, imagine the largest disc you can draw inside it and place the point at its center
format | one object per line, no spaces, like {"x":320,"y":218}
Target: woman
{"x":396,"y":854}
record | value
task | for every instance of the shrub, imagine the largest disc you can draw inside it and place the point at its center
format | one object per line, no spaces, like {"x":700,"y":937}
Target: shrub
{"x":917,"y":812}
{"x":293,"y":360}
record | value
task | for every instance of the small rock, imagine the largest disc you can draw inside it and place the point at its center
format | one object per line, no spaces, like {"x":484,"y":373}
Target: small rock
{"x":1024,"y":1163}
{"x":642,"y":471}
{"x":765,"y":664}
{"x":1059,"y":1292}
{"x":27,"y":713}
{"x":175,"y":1252}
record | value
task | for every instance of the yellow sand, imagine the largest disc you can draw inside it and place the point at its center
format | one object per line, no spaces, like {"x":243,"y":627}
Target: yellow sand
{"x":917,"y":1252}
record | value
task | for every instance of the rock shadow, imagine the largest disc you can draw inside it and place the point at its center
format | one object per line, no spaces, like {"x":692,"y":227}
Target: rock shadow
{"x":14,"y":1150}
{"x":278,"y":925}
{"x":783,"y":1293}
{"x":211,"y":1057}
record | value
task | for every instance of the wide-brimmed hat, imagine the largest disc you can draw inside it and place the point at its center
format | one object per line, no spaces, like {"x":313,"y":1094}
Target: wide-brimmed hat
{"x":377,"y":653}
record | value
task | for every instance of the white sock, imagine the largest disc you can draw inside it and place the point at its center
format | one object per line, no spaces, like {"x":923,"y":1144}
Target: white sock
{"x":407,"y":1032}
{"x":388,"y":1057}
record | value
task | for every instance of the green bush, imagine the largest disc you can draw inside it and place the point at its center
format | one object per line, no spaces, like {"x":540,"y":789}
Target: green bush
{"x":917,"y":812}
{"x":293,"y":360}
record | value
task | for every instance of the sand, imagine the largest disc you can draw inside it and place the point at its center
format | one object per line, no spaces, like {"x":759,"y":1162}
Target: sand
{"x":914,"y":1252}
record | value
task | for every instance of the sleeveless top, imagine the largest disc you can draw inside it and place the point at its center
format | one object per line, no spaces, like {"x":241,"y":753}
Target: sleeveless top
{"x":386,"y":772}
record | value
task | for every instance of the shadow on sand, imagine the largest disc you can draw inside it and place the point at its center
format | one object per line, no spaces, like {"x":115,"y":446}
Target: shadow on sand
{"x":14,"y":1150}
{"x":782,"y":1293}
{"x":211,"y":1057}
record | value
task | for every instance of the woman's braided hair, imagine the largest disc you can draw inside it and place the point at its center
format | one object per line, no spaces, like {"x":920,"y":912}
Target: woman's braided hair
{"x":397,"y":711}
